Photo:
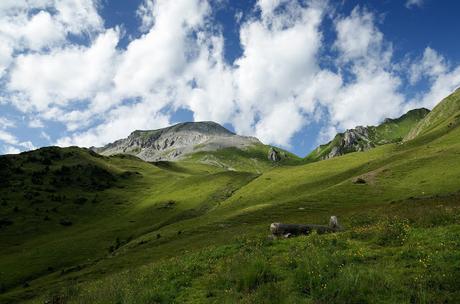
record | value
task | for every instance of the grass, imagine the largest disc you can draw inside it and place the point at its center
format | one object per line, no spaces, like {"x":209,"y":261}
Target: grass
{"x":361,"y":265}
{"x":192,"y":232}
{"x":253,"y":158}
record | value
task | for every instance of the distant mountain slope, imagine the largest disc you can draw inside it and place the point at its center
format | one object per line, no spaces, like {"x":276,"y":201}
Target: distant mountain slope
{"x":365,"y":138}
{"x":445,"y":115}
{"x":175,"y":142}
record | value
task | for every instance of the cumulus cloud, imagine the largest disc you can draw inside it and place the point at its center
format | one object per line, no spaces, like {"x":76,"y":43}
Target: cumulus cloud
{"x":431,"y":65}
{"x":358,"y":37}
{"x":145,"y":13}
{"x":278,"y":62}
{"x":443,"y":79}
{"x":119,"y":123}
{"x":34,"y":25}
{"x":373,"y":94}
{"x":64,"y":75}
{"x":102,"y":92}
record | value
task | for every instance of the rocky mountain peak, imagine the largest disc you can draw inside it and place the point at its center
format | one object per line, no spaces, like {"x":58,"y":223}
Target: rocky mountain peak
{"x":177,"y":141}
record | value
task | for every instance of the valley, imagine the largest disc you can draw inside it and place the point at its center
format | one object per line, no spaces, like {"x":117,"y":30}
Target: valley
{"x":151,"y":227}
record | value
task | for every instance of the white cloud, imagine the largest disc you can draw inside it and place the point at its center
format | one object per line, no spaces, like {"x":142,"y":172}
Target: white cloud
{"x":373,"y":93}
{"x":162,"y":54}
{"x":78,"y":16}
{"x":119,"y":124}
{"x":33,"y":25}
{"x":42,"y":31}
{"x":12,"y":140}
{"x":274,"y":89}
{"x":6,"y":123}
{"x":278,"y":62}
{"x":326,"y":134}
{"x":278,"y":126}
{"x":414,"y":3}
{"x":367,"y":101}
{"x":145,"y":13}
{"x":36,"y":123}
{"x":64,"y":75}
{"x":442,"y":79}
{"x":359,"y":39}
{"x":10,"y":150}
{"x":27,"y":145}
{"x":431,"y":65}
{"x":213,"y":85}
{"x":8,"y":138}
{"x":441,"y":86}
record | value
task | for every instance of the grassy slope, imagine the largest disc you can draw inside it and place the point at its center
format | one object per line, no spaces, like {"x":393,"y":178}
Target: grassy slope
{"x":445,"y":114}
{"x":390,"y":131}
{"x":253,"y":158}
{"x":132,"y":206}
{"x":416,"y":181}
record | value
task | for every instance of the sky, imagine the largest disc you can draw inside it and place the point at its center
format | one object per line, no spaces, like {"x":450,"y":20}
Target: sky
{"x":293,"y":73}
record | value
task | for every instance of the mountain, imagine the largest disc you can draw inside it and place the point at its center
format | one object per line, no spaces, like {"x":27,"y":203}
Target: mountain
{"x":80,"y":227}
{"x":444,"y":116}
{"x":364,"y":138}
{"x":178,"y":141}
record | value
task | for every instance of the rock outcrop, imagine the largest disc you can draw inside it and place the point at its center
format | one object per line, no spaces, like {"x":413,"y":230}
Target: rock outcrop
{"x":178,"y":141}
{"x":274,"y":155}
{"x":365,"y":138}
{"x":353,"y":140}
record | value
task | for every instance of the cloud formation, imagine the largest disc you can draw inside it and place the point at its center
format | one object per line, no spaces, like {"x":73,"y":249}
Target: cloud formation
{"x":101,"y":92}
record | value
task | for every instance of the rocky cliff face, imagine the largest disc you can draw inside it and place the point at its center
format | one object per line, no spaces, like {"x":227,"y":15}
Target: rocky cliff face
{"x":274,"y":155}
{"x":178,"y":141}
{"x":365,"y":138}
{"x":353,"y":140}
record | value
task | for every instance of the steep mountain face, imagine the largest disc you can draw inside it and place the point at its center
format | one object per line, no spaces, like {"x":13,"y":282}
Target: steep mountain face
{"x":444,"y":116}
{"x":365,"y":138}
{"x":178,"y":141}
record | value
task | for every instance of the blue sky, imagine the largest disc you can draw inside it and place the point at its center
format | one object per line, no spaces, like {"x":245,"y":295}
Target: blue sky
{"x":292,"y":73}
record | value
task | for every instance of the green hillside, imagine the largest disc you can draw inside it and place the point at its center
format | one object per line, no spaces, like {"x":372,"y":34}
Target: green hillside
{"x":197,"y":232}
{"x":251,"y":159}
{"x":445,"y":115}
{"x":390,"y":131}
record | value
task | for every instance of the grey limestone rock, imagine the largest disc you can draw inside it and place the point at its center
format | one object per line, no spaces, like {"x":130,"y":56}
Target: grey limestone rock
{"x":176,"y":142}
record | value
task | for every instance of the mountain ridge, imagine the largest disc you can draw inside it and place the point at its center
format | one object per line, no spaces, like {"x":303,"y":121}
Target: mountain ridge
{"x":177,"y":141}
{"x":362,"y":138}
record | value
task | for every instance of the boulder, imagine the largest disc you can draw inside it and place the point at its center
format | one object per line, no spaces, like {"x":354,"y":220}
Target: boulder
{"x":289,"y":230}
{"x":359,"y":180}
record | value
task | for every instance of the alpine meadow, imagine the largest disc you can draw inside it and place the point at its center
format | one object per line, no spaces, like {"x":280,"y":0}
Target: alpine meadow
{"x":216,"y":152}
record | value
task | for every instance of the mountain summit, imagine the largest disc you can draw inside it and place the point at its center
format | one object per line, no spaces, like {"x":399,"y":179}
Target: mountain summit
{"x":177,"y":141}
